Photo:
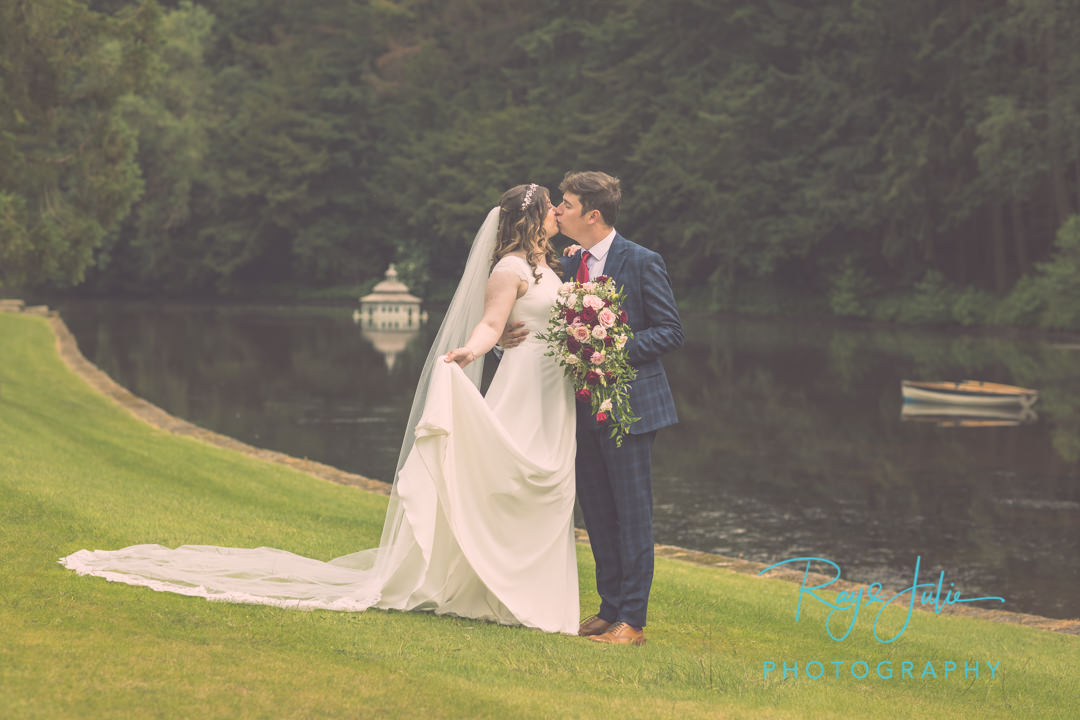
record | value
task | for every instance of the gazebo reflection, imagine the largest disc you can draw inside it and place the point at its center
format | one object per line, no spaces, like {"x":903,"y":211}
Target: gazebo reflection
{"x":390,"y":317}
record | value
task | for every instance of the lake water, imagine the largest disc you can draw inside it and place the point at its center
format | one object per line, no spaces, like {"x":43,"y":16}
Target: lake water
{"x":791,"y":441}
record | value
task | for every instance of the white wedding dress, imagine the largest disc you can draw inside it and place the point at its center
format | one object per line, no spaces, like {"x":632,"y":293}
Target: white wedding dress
{"x":480,"y":523}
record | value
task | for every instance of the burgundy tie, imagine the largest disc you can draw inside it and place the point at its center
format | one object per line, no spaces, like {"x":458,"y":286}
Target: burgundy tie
{"x":583,"y":268}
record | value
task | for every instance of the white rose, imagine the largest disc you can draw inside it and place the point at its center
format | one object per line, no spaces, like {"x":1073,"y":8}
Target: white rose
{"x":620,"y":341}
{"x":599,"y":332}
{"x":605,"y":406}
{"x":572,"y":359}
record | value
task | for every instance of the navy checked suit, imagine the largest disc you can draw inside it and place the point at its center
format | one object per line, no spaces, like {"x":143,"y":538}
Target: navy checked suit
{"x":614,"y":484}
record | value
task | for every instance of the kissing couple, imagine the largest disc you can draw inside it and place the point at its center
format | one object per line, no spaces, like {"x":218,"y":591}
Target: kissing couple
{"x":480,"y":517}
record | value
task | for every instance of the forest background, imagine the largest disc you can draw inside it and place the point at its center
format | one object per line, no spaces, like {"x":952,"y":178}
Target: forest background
{"x":913,"y":161}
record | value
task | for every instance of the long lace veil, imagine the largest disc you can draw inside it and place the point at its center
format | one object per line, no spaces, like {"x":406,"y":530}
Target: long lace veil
{"x":462,"y":316}
{"x":464,"y":313}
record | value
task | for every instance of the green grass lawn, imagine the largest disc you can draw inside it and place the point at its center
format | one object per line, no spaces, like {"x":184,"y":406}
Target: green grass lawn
{"x":78,"y":472}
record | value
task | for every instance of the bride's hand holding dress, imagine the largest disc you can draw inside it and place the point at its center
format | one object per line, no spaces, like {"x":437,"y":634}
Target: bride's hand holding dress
{"x":503,"y":290}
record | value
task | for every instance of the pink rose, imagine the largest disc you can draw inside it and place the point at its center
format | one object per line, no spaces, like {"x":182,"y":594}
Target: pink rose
{"x":580,"y":332}
{"x":599,"y":332}
{"x":594,"y":302}
{"x":607,"y":318}
{"x":598,"y":358}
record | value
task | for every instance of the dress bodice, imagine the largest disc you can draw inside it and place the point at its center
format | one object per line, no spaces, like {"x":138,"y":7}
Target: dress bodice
{"x":534,"y":307}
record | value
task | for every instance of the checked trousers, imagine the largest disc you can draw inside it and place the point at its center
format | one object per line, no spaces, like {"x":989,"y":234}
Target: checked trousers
{"x":614,"y":490}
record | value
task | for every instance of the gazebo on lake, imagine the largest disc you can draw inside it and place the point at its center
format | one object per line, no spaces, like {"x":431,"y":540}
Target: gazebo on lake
{"x":390,"y":306}
{"x":390,"y":317}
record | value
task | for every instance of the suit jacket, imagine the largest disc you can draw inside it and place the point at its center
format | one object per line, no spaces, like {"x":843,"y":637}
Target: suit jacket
{"x":654,"y":318}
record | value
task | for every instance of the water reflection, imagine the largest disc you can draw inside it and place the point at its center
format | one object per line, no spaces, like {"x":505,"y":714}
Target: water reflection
{"x":390,"y":342}
{"x":944,"y":415}
{"x":792,"y":440}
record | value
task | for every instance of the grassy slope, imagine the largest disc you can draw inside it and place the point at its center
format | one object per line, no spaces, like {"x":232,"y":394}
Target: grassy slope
{"x":77,"y":472}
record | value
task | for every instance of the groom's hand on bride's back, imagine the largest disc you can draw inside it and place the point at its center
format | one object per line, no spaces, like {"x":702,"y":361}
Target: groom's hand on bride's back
{"x":513,"y":335}
{"x":572,"y":250}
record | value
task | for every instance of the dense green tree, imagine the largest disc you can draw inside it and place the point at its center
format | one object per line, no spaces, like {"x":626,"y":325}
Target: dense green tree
{"x":293,"y":151}
{"x":909,"y":161}
{"x":156,"y":246}
{"x":67,"y":157}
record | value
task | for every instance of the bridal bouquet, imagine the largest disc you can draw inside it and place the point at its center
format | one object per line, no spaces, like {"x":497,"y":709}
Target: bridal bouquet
{"x":587,"y":335}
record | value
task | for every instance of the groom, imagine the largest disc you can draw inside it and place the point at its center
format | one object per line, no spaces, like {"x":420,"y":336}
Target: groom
{"x":614,"y":484}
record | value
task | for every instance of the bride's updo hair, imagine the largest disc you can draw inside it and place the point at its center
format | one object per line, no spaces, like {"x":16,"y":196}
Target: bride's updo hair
{"x":523,"y":209}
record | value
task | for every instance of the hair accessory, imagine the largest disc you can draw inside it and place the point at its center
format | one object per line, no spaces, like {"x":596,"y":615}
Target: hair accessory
{"x":528,"y":196}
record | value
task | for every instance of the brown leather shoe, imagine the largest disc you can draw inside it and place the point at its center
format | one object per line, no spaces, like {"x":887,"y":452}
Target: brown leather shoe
{"x":621,"y":634}
{"x":595,"y":625}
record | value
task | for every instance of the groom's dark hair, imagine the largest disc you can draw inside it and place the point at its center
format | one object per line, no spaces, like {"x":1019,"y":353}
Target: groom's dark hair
{"x":597,"y":190}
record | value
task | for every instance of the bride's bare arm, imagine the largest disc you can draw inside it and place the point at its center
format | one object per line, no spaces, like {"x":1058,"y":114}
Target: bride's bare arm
{"x":503,"y":289}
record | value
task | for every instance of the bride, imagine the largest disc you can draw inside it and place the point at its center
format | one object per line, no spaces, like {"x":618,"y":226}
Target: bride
{"x":480,"y":519}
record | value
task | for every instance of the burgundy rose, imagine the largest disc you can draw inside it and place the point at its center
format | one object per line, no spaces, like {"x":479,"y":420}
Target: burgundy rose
{"x":586,"y":353}
{"x":601,"y":279}
{"x":623,"y":317}
{"x":608,"y":341}
{"x":583,"y":395}
{"x":588,"y":315}
{"x":609,"y":376}
{"x":572,"y":345}
{"x":601,"y":417}
{"x":569,"y":314}
{"x":592,"y":377}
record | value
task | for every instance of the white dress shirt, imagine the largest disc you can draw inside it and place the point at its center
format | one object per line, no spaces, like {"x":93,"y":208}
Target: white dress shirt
{"x":598,"y":255}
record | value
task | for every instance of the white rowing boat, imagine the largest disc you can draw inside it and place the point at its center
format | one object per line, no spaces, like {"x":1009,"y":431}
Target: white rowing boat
{"x":967,"y":392}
